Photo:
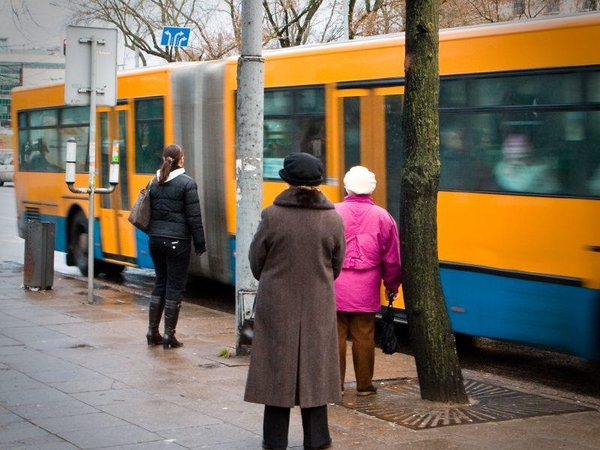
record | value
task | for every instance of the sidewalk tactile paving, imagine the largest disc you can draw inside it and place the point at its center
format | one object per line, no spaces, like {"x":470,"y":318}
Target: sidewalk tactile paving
{"x":399,"y":401}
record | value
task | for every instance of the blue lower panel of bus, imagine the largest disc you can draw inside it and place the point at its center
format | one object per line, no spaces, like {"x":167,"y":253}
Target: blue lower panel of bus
{"x":60,"y":237}
{"x":143,"y":253}
{"x":555,"y":316}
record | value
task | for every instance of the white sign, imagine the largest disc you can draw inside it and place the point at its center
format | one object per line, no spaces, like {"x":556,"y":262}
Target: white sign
{"x":81,"y":66}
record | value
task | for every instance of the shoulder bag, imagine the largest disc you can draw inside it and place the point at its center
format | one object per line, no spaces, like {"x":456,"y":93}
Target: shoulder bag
{"x":141,"y":210}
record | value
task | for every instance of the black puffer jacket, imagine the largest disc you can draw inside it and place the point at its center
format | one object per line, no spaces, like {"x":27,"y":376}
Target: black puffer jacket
{"x":176,"y":210}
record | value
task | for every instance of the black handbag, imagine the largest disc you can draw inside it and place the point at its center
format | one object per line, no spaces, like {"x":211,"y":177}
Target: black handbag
{"x":247,"y":329}
{"x":141,"y":210}
{"x":389,"y":341}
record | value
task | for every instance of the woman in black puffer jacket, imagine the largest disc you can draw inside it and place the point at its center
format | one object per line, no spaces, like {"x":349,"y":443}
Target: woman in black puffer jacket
{"x":175,"y":220}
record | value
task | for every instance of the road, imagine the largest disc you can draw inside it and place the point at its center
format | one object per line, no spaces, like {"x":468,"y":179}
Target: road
{"x":527,"y":365}
{"x":13,"y":247}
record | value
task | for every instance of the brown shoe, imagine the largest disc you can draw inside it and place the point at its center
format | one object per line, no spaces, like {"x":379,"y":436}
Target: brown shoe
{"x":371,"y":390}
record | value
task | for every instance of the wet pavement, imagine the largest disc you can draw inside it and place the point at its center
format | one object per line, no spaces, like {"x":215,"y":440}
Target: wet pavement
{"x":75,"y":375}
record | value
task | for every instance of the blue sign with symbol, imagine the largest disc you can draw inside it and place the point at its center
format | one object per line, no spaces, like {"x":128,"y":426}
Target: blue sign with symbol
{"x":175,"y":36}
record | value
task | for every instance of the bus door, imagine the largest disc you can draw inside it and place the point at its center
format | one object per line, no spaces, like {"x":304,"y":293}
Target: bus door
{"x":118,"y":236}
{"x":370,"y":134}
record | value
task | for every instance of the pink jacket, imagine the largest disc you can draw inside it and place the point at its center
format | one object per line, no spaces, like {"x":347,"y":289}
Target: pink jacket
{"x":372,"y":255}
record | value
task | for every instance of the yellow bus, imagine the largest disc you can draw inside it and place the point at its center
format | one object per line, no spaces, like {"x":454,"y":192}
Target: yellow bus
{"x":518,"y":206}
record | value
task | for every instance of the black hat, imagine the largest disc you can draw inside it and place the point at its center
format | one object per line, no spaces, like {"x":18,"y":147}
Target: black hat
{"x":302,"y":169}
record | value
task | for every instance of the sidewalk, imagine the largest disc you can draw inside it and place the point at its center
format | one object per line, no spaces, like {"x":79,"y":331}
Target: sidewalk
{"x":80,"y":376}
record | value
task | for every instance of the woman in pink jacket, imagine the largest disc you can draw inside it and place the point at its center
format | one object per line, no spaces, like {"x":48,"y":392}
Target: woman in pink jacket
{"x":372,"y":255}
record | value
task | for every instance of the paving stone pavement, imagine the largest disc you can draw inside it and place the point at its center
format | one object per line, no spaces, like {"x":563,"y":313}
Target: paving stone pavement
{"x":75,"y":375}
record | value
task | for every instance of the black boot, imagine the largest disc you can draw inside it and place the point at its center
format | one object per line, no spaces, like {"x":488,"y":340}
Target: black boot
{"x":155,"y":311}
{"x":171,"y":317}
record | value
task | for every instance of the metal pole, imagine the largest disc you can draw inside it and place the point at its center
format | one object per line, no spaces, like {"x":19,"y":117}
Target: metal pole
{"x":92,"y":171}
{"x":249,"y":145}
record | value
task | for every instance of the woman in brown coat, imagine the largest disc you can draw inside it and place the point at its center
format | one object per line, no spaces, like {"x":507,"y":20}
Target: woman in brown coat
{"x":296,"y":254}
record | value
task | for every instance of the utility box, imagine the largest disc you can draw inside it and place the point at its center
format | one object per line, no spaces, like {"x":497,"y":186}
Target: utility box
{"x":39,"y":255}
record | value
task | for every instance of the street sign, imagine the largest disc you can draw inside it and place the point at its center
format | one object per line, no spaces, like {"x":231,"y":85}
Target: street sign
{"x":175,"y":36}
{"x":79,"y":62}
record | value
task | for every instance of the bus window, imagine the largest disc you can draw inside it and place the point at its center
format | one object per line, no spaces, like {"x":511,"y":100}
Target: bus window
{"x":465,"y":166}
{"x":123,"y":178}
{"x":43,"y":118}
{"x":593,"y":87}
{"x":77,"y":114}
{"x":149,"y":134}
{"x":310,"y":101}
{"x":394,"y":152}
{"x":105,"y":145}
{"x":593,"y":136}
{"x":43,"y":137}
{"x":351,"y":132}
{"x":74,"y":123}
{"x":44,"y":151}
{"x":526,"y":90}
{"x":277,"y":139}
{"x":278,"y":102}
{"x":453,"y":93}
{"x":294,"y":120}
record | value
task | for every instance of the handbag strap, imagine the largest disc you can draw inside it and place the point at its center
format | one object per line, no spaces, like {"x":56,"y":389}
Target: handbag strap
{"x":390,"y":296}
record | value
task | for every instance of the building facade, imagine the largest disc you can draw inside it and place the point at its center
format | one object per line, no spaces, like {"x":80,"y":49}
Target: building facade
{"x":26,"y":67}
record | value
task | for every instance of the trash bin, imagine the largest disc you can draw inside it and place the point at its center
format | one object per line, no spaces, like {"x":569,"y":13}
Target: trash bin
{"x":39,"y":255}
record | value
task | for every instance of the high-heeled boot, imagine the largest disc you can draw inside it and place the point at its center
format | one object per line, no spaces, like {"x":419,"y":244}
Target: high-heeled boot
{"x":171,"y":317}
{"x":155,"y":311}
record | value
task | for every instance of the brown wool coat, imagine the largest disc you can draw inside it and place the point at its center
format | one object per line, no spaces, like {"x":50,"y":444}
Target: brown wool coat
{"x":296,"y":254}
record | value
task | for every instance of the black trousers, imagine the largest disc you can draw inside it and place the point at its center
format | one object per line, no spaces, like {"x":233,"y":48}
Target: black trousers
{"x":171,"y":258}
{"x":276,"y":425}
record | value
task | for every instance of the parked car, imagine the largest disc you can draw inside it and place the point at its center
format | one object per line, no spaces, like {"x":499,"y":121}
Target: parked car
{"x":7,"y":170}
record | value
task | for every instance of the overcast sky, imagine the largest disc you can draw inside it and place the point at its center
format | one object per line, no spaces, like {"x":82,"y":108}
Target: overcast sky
{"x":37,"y":23}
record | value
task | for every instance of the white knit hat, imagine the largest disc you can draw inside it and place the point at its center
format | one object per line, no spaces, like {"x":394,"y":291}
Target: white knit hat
{"x":359,"y":180}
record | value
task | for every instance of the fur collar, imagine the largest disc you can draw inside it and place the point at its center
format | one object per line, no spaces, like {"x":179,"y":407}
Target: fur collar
{"x":295,"y":197}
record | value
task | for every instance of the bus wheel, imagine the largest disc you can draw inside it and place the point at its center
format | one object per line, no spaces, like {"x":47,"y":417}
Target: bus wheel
{"x":78,"y":243}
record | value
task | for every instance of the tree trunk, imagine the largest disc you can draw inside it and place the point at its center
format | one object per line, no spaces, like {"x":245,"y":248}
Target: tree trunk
{"x":440,"y":376}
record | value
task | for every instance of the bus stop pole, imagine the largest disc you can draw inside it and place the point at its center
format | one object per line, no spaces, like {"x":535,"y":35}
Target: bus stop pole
{"x":80,"y":58}
{"x":249,"y":169}
{"x":92,"y":171}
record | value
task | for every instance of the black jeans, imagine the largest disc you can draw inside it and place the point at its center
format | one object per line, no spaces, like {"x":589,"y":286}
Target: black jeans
{"x":171,"y":258}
